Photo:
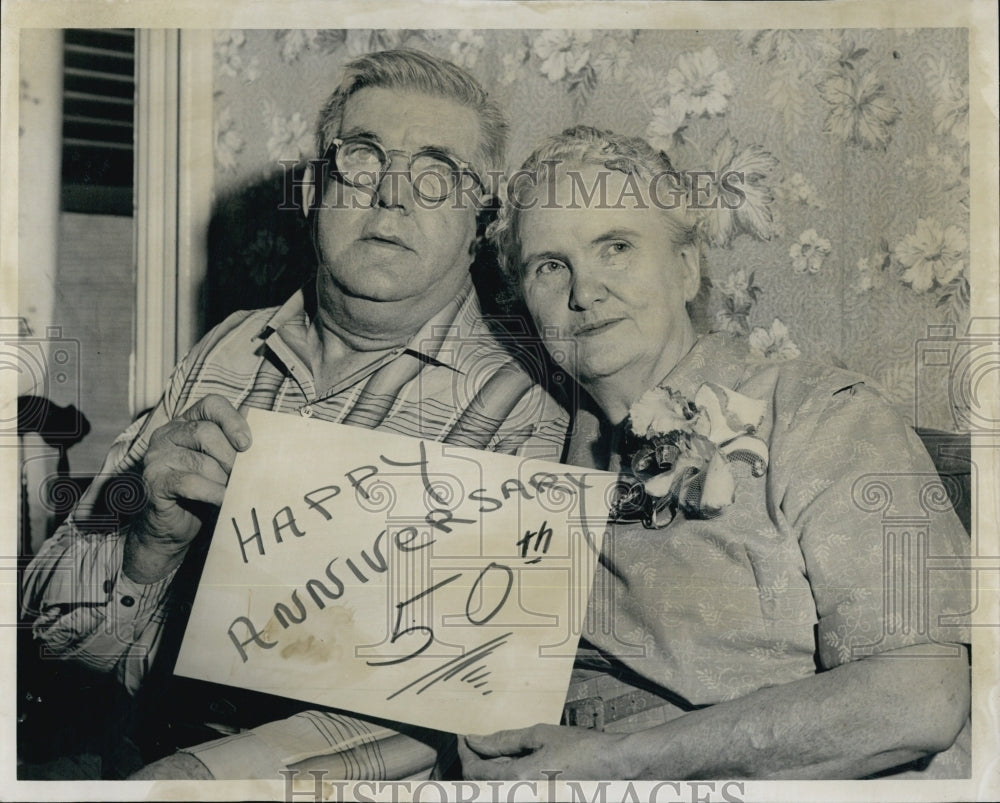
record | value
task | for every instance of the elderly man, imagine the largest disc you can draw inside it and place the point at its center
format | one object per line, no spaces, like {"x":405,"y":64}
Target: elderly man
{"x":395,"y":205}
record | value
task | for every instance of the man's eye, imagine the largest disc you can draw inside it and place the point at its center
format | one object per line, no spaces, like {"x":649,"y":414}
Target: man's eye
{"x":359,"y":153}
{"x":618,"y":248}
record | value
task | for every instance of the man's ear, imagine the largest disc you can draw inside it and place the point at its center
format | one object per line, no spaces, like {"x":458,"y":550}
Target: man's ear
{"x":691,"y":260}
{"x":308,"y":189}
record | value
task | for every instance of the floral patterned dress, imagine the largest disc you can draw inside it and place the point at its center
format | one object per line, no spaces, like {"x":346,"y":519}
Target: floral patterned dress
{"x":819,"y":560}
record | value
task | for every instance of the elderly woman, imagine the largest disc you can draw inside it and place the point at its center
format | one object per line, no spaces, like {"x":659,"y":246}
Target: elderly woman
{"x":749,"y":615}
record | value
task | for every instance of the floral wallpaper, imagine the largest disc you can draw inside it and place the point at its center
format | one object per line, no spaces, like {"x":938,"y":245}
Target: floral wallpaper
{"x":853,"y":237}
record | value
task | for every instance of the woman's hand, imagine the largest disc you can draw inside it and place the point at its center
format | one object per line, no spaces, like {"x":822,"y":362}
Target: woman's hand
{"x":852,"y":721}
{"x":529,"y":752}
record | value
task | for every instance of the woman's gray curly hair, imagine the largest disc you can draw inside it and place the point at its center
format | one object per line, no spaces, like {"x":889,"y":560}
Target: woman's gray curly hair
{"x":578,"y":147}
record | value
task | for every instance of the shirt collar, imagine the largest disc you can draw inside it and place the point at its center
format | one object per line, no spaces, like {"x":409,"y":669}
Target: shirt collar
{"x":456,"y":321}
{"x":718,"y":357}
{"x":292,"y":311}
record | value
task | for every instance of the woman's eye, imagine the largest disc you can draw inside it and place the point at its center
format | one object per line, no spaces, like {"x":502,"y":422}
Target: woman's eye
{"x":547,"y":267}
{"x":618,"y":248}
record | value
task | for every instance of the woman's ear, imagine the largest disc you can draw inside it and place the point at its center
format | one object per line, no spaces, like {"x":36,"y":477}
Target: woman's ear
{"x":486,"y":214}
{"x":691,"y":260}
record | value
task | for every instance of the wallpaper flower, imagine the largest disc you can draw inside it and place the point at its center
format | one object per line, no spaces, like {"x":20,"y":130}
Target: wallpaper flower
{"x":848,"y":151}
{"x":228,"y":141}
{"x":773,"y":342}
{"x":860,"y":111}
{"x":562,"y":53}
{"x":698,"y":84}
{"x":465,"y":50}
{"x":749,"y":170}
{"x":291,"y":137}
{"x":933,"y":255}
{"x":809,"y":252}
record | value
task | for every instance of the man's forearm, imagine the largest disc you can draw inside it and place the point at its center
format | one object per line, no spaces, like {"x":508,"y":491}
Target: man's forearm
{"x":82,"y":606}
{"x":849,"y":722}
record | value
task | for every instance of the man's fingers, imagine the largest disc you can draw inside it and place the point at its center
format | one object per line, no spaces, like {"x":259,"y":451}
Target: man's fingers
{"x":196,"y":488}
{"x":187,"y":468}
{"x":196,"y":436}
{"x":204,"y":465}
{"x":220,"y":411}
{"x":181,"y":471}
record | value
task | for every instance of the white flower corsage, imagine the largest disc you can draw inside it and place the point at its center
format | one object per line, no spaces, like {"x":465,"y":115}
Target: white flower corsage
{"x":680,"y":452}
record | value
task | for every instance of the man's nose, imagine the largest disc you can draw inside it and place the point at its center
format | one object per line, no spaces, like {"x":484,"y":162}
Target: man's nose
{"x":394,"y":189}
{"x":588,"y":288}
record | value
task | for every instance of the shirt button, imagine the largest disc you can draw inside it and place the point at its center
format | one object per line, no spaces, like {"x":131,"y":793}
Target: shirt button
{"x":307,"y":411}
{"x":108,"y":585}
{"x":128,"y":601}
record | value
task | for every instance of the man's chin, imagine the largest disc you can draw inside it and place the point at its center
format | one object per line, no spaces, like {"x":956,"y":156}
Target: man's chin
{"x":374,"y":282}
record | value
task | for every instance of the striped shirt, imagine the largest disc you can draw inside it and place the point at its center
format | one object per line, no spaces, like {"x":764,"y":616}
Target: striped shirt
{"x":451,"y":382}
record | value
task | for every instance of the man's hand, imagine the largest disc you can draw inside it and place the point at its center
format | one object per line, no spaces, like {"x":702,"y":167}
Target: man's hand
{"x":524,"y":754}
{"x":186,"y":471}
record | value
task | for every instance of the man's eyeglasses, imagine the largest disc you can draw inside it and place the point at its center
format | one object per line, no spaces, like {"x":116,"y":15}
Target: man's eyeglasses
{"x":433,"y":174}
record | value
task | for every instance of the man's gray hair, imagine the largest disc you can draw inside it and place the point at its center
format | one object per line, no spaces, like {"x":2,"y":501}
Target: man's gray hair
{"x":418,"y":72}
{"x":579,"y":147}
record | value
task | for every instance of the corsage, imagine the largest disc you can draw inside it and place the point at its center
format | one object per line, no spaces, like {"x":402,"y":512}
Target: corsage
{"x":679,"y":452}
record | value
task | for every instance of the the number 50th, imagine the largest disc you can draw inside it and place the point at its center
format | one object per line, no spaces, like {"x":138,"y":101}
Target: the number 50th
{"x":399,"y":632}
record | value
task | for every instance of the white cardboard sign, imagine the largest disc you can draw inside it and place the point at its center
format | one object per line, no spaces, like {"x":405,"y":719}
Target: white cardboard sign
{"x":397,"y":577}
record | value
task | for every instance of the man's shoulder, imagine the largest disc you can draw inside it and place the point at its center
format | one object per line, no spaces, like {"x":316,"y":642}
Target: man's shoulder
{"x":486,"y":331}
{"x":246,"y":319}
{"x":486,"y":340}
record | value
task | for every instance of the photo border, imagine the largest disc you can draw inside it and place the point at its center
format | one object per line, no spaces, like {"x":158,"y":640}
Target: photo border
{"x":979,"y":16}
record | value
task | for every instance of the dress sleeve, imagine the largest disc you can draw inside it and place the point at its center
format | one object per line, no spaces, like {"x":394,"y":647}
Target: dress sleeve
{"x":883,"y":549}
{"x":79,"y":603}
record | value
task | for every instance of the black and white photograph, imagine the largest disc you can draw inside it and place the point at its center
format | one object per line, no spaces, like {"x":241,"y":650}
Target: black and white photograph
{"x":499,"y":401}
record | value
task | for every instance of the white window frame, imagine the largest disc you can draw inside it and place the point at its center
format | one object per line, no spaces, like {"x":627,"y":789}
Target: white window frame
{"x":173,"y":200}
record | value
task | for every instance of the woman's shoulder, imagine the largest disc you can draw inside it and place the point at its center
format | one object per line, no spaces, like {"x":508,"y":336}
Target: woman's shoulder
{"x":795,"y":381}
{"x":801,"y":393}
